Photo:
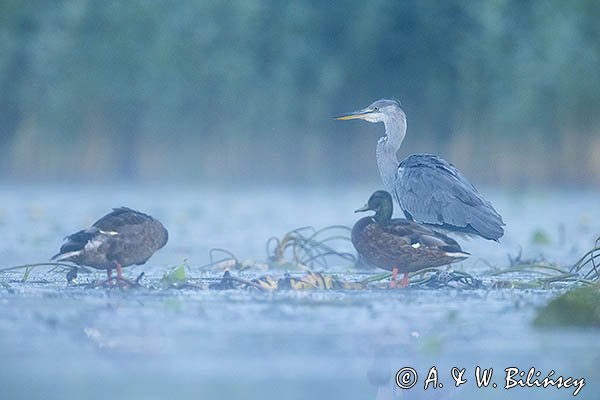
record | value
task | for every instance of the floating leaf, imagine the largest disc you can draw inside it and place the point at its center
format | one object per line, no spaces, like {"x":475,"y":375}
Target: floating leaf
{"x":175,"y":277}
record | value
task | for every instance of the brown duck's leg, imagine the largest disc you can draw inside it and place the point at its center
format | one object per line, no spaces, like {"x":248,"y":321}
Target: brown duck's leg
{"x":122,"y":281}
{"x":119,"y":271}
{"x":109,"y":276}
{"x":404,"y":282}
{"x":394,"y":278}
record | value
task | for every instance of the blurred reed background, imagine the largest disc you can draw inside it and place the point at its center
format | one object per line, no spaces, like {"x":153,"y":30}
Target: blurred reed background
{"x":244,"y":90}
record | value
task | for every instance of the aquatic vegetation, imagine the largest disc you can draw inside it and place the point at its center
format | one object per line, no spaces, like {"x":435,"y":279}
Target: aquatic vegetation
{"x":434,"y":278}
{"x":429,"y":279}
{"x":581,"y":306}
{"x":310,"y":280}
{"x":174,"y":278}
{"x":311,"y":259}
{"x":310,"y":247}
{"x":586,"y":266}
{"x":57,"y":266}
{"x":229,"y":262}
{"x":301,"y":249}
{"x":532,"y":274}
{"x":541,"y":273}
{"x":317,"y":280}
{"x":26,"y":274}
{"x":70,"y":270}
{"x":540,"y":237}
{"x":578,"y":308}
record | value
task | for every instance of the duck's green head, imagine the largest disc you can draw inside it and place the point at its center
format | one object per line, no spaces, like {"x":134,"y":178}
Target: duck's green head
{"x":381,"y":202}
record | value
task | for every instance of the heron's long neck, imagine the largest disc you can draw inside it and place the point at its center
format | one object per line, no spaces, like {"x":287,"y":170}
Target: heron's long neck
{"x":387,"y":146}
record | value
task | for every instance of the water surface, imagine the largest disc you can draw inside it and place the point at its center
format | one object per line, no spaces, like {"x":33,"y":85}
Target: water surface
{"x":62,"y":342}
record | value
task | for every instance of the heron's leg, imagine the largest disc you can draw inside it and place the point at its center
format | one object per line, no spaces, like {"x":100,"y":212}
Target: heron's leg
{"x":394,"y":278}
{"x":404,"y":282}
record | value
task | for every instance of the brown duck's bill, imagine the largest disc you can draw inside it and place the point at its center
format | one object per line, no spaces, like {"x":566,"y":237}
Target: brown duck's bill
{"x":360,"y":114}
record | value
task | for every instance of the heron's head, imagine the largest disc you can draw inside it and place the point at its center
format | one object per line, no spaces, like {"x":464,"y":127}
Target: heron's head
{"x":379,"y":111}
{"x":381,"y":202}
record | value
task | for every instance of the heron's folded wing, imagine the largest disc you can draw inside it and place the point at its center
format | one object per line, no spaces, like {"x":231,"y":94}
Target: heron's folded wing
{"x":433,"y":191}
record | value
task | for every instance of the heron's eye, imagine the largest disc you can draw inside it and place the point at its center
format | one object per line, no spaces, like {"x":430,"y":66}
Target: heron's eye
{"x":375,"y":109}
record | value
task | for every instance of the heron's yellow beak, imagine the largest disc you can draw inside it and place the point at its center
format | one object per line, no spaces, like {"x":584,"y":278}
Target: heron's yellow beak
{"x":363,"y":208}
{"x":360,"y":114}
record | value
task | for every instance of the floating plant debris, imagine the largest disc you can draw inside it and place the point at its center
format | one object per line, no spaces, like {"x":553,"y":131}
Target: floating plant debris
{"x":308,"y":281}
{"x":315,"y":253}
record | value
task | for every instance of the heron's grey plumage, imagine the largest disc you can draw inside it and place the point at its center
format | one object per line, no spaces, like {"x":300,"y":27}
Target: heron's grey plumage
{"x":427,"y":188}
{"x":432,"y":191}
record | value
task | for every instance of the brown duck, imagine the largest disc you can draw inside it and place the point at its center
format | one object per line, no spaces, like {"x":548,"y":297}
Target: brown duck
{"x":400,"y":245}
{"x":121,"y":238}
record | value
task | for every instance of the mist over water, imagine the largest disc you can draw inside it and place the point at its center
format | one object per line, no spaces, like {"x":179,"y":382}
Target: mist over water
{"x":35,"y":218}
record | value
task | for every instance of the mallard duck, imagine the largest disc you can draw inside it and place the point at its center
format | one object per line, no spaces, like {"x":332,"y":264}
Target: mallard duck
{"x":121,"y":238}
{"x":400,"y":245}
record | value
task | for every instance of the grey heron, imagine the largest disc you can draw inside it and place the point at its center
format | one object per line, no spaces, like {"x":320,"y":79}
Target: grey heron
{"x":428,"y":189}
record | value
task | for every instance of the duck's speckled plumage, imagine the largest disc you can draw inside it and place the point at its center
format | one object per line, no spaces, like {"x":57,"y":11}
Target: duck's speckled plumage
{"x":124,"y":237}
{"x":399,"y":243}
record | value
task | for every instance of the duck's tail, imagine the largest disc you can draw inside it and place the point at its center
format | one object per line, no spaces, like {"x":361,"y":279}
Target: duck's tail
{"x":458,"y":255}
{"x":74,"y":244}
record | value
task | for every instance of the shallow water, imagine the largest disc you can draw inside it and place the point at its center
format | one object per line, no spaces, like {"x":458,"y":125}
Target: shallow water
{"x":62,"y":342}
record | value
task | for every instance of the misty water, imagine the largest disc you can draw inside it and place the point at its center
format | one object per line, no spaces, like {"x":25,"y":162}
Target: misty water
{"x":69,"y":342}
